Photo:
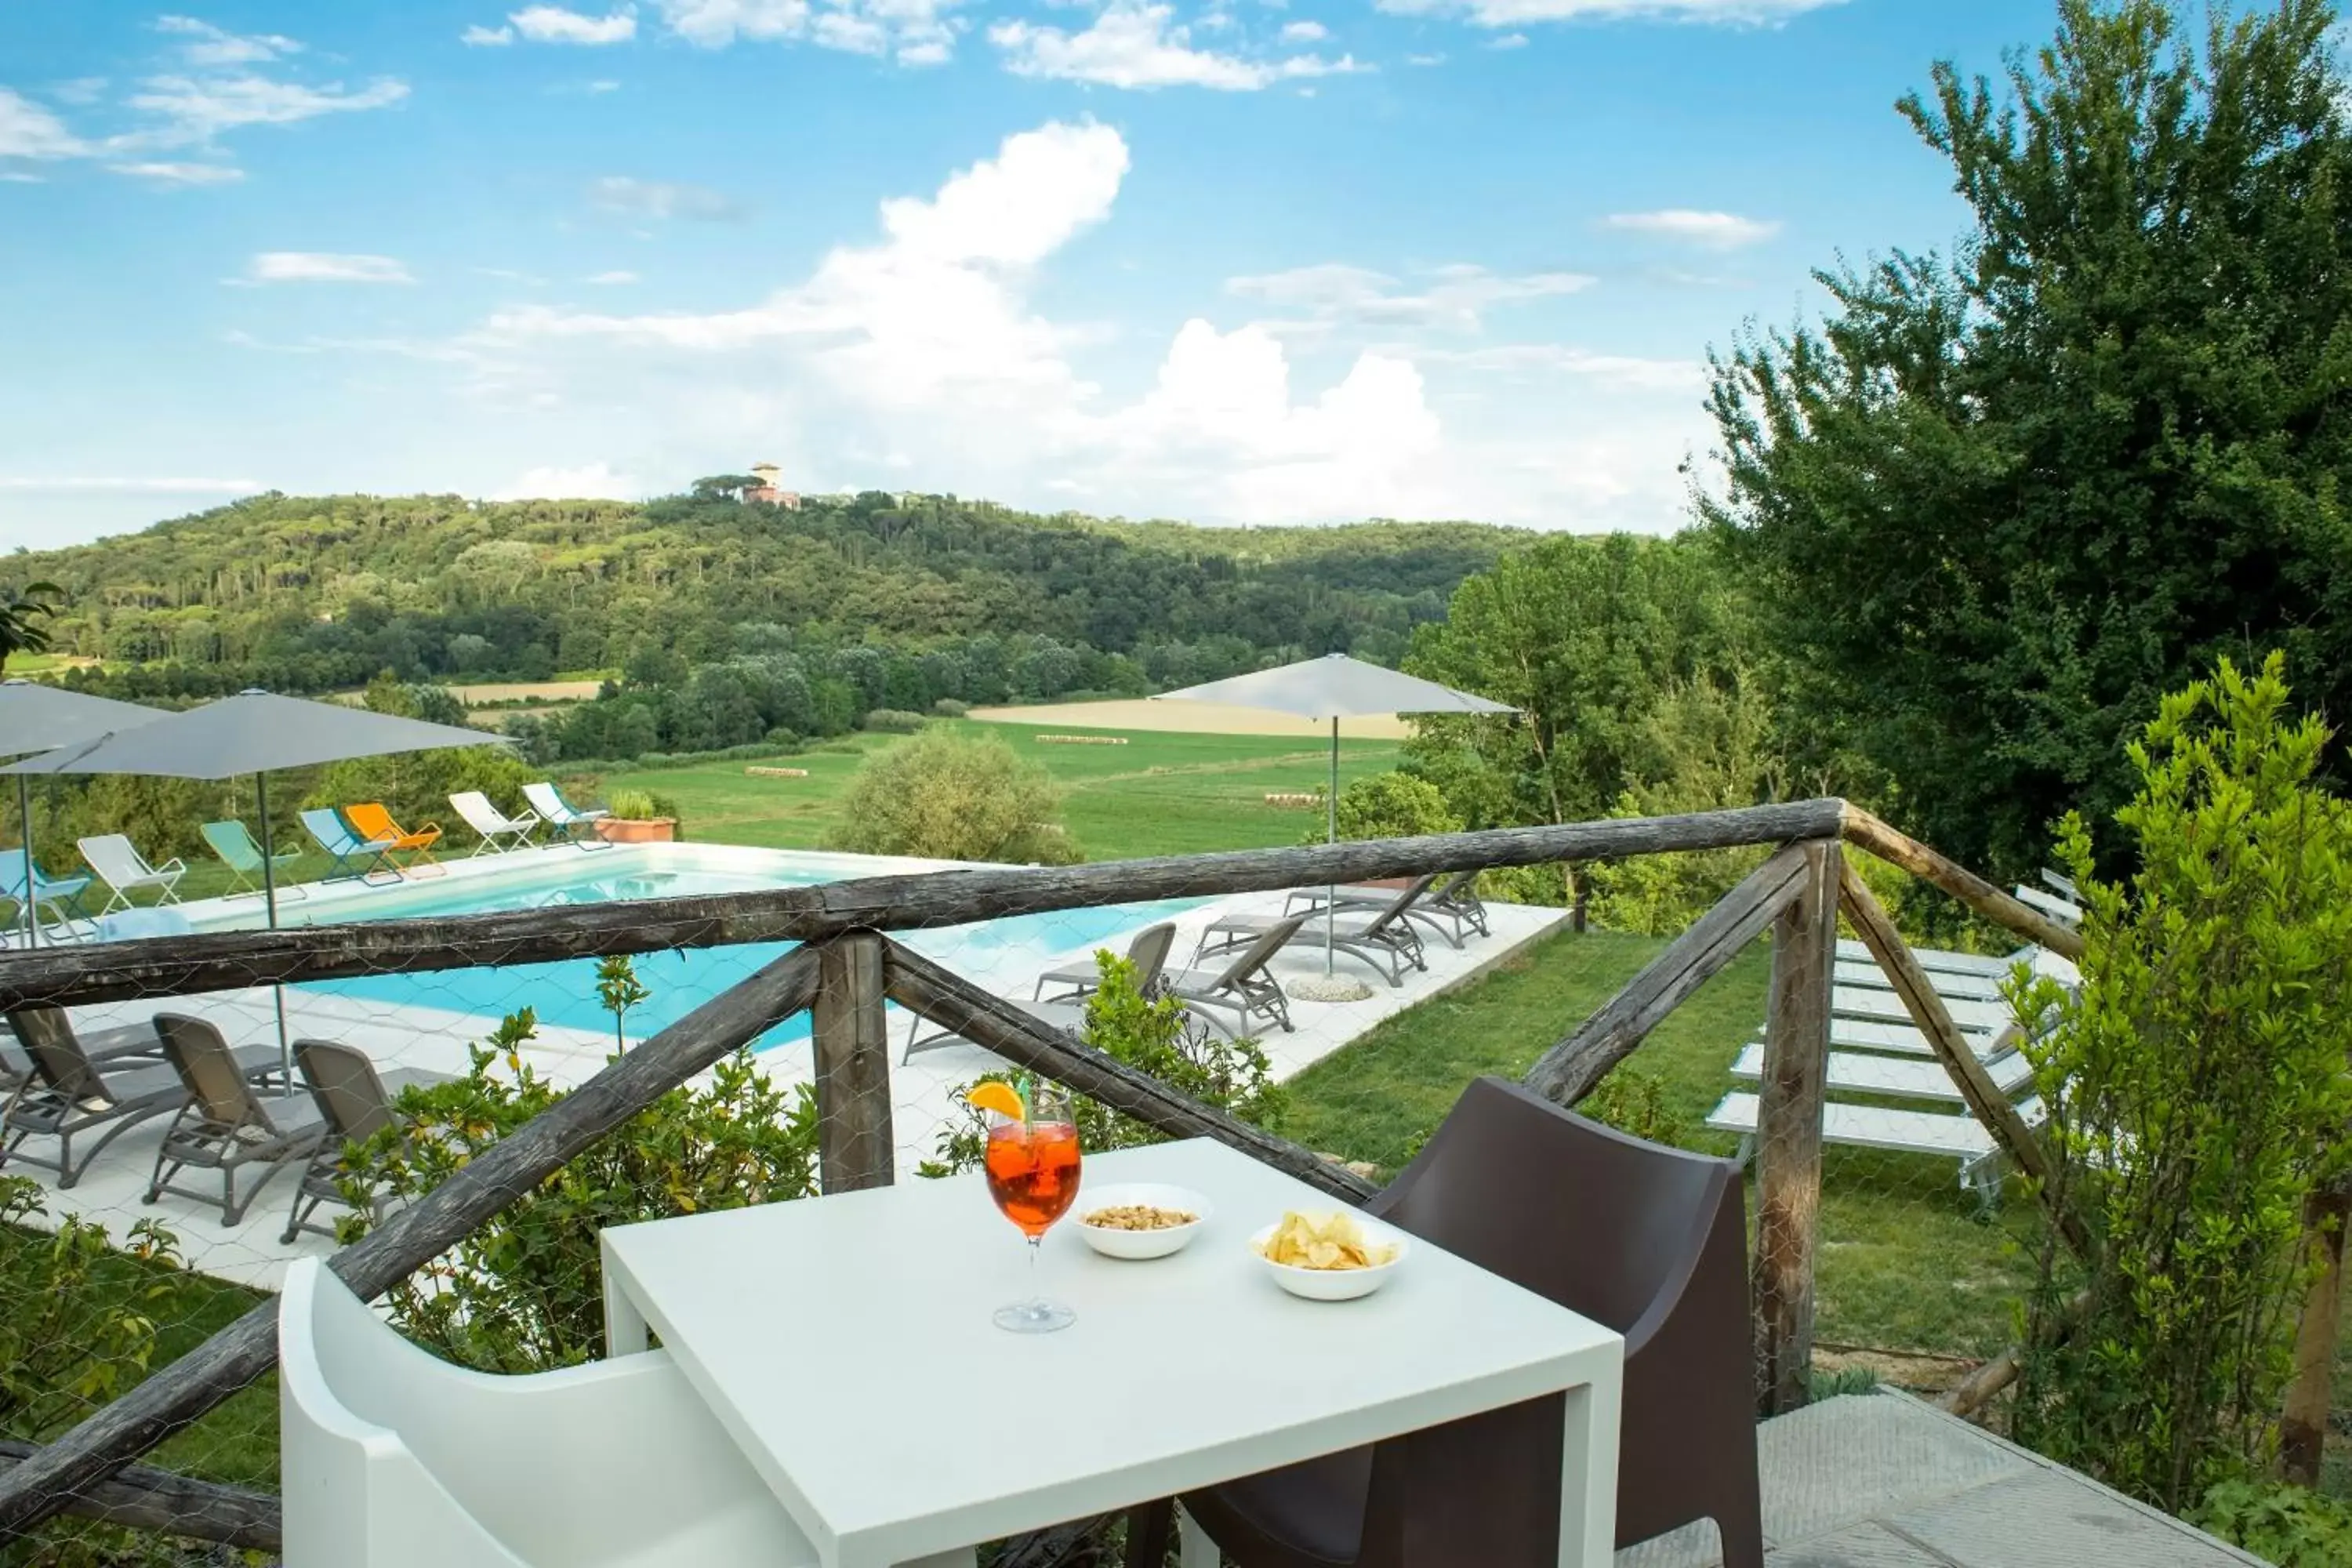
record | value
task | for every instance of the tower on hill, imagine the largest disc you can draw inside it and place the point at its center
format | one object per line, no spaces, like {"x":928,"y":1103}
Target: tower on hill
{"x":766,"y":492}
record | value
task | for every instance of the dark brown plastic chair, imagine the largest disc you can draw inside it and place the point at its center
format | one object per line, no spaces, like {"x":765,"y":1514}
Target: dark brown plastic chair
{"x":1648,"y":1240}
{"x":76,"y":1087}
{"x":355,"y":1102}
{"x":223,"y":1124}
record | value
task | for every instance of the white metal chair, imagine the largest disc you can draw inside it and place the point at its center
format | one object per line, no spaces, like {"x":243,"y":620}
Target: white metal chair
{"x":124,"y":871}
{"x":490,"y":824}
{"x":388,"y":1456}
{"x":578,"y":826}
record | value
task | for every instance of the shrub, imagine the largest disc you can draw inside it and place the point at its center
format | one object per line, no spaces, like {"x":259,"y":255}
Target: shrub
{"x":522,"y":1292}
{"x":2197,"y":1092}
{"x":632,"y":804}
{"x":956,"y":797}
{"x":2290,"y":1526}
{"x":1390,"y":805}
{"x":1154,"y":1035}
{"x":782,"y":739}
{"x":892,"y":722}
{"x":948,"y":708}
{"x":69,"y":1338}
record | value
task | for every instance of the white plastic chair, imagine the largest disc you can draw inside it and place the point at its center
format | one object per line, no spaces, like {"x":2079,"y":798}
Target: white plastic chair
{"x":491,"y":824}
{"x":124,"y":871}
{"x":390,"y":1457}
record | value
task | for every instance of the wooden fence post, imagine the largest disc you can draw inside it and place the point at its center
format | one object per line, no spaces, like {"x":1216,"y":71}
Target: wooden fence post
{"x":1789,"y":1134}
{"x":855,"y":1146}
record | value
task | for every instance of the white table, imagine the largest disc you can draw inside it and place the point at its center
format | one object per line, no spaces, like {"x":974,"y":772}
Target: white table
{"x":845,"y":1343}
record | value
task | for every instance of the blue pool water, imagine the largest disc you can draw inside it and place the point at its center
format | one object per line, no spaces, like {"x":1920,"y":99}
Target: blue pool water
{"x":1001,"y":954}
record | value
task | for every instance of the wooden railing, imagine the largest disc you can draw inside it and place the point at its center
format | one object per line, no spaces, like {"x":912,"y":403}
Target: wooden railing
{"x":847,"y":968}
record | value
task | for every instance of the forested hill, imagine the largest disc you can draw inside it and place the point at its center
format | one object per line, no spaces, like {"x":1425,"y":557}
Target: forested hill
{"x":308,"y":593}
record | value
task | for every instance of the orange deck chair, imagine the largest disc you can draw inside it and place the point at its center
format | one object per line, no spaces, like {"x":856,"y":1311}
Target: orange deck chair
{"x":372,"y":822}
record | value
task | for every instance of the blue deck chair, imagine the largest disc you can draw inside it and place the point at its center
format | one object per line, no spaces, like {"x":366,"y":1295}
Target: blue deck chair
{"x":234,"y":843}
{"x":351,"y":857}
{"x":56,"y":901}
{"x":579,"y":827}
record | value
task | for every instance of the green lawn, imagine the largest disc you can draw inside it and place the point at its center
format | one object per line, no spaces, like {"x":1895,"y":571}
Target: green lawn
{"x":1158,"y":795}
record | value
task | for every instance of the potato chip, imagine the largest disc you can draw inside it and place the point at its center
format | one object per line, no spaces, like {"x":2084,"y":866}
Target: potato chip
{"x":1330,"y":1241}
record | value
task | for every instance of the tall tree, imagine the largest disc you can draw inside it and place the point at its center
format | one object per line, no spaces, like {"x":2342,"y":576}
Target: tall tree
{"x":2007,"y":498}
{"x":22,"y":615}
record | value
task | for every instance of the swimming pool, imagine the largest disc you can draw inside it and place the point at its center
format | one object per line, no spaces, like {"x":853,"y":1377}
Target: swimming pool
{"x":1002,"y":956}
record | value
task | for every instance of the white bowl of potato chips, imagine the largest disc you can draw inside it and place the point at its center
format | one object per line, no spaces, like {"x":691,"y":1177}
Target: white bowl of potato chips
{"x":1335,"y":1256}
{"x":1140,"y":1220}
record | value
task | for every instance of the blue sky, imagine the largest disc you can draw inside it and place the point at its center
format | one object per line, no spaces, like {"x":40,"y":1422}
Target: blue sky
{"x":1233,"y":260}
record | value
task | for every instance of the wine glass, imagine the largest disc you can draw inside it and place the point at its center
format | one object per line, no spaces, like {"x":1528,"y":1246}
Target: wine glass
{"x":1033,"y":1173}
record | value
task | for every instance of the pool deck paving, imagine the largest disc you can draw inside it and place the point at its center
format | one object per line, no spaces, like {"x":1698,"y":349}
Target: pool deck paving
{"x":437,"y":1039}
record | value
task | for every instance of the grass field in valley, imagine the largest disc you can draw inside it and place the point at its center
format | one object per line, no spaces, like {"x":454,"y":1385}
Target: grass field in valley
{"x":1158,"y":795}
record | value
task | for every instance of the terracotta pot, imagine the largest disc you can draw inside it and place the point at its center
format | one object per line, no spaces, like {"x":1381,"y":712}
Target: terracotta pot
{"x":648,"y":830}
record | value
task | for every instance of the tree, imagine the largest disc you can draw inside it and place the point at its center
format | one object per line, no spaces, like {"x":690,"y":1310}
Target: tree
{"x":954,"y":796}
{"x":2003,"y":501}
{"x":1390,"y":805}
{"x":23,"y":617}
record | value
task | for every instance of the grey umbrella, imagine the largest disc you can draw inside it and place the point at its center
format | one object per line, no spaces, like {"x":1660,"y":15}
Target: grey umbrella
{"x":1335,"y":686}
{"x":258,"y":733}
{"x":41,"y":719}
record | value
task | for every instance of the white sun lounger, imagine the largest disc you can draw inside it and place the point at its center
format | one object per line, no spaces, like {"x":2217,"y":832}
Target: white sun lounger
{"x":1895,"y":1078}
{"x":2063,"y":911}
{"x":124,"y":871}
{"x":1960,"y":1138}
{"x":491,"y":824}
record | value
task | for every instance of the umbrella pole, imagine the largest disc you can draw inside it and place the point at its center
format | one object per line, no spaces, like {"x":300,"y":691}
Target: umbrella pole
{"x":270,"y":902}
{"x":1332,"y":890}
{"x":25,"y":825}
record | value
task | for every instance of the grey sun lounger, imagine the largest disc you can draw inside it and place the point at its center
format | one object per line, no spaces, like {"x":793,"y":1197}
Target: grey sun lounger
{"x":1450,"y":908}
{"x":355,"y":1102}
{"x":1386,"y":939}
{"x":223,"y":1125}
{"x":1149,"y":953}
{"x":70,"y":1094}
{"x":1246,"y":987}
{"x":1070,"y":1017}
{"x":121,"y":1044}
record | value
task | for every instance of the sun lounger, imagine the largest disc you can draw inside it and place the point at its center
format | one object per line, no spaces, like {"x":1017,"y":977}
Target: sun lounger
{"x":1895,"y":1077}
{"x":1246,"y":987}
{"x":372,"y":822}
{"x":242,"y":856}
{"x":1866,"y":974}
{"x":1449,"y":908}
{"x":1385,"y":940}
{"x":2062,"y":884}
{"x":1881,"y":1004}
{"x":1149,"y":954}
{"x":125,"y":871}
{"x":1937,"y":960}
{"x":1070,"y":1017}
{"x":223,"y":1125}
{"x":554,"y":810}
{"x":60,"y":899}
{"x":1900,"y":1039}
{"x":490,"y":824}
{"x":1962,"y":1138}
{"x":2066,"y":912}
{"x":349,"y":856}
{"x":70,"y":1094}
{"x":121,"y":1044}
{"x":355,"y":1102}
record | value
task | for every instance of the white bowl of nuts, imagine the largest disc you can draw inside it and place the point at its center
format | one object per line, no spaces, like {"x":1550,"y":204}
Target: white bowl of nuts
{"x":1138,"y":1220}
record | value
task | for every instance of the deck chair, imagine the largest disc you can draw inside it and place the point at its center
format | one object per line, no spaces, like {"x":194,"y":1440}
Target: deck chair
{"x":557,"y":812}
{"x":490,"y":824}
{"x":238,"y":852}
{"x":1384,"y":939}
{"x":1149,"y":953}
{"x":372,"y":822}
{"x":1070,"y":1017}
{"x":71,"y":1093}
{"x":124,"y":871}
{"x":61,"y":898}
{"x":349,"y":856}
{"x":1246,"y":987}
{"x":393,"y":1459}
{"x":222,"y":1125}
{"x":1449,"y":908}
{"x":355,"y":1102}
{"x":121,"y":1045}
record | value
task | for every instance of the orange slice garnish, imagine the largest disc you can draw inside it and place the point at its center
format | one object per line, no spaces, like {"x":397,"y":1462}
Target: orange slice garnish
{"x":996,"y":1097}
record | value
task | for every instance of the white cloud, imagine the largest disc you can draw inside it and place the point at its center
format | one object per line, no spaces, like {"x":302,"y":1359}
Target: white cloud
{"x":480,"y":37}
{"x":1455,"y":298}
{"x":715,"y":24}
{"x":182,"y":174}
{"x":1305,"y":32}
{"x":1133,"y":43}
{"x":194,"y":110}
{"x":18,"y":177}
{"x":627,"y":196}
{"x":211,"y":47}
{"x":1425,"y":59}
{"x":29,"y":130}
{"x":913,"y":32}
{"x":323,"y":266}
{"x":185,"y":486}
{"x":1713,"y":230}
{"x":1631,"y":372}
{"x":554,"y":24}
{"x":1516,"y":12}
{"x":589,"y":481}
{"x":1509,"y":41}
{"x":80,"y":90}
{"x":609,"y":279}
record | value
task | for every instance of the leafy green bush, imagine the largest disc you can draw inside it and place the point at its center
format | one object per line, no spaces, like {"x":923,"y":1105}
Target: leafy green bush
{"x":523,"y":1293}
{"x":954,"y":796}
{"x":950,"y":707}
{"x":632,"y":804}
{"x":68,"y":1340}
{"x":1634,"y":1101}
{"x":1154,"y":1035}
{"x":892,"y":722}
{"x":1390,"y":805}
{"x":2198,"y":1092}
{"x":2290,"y":1526}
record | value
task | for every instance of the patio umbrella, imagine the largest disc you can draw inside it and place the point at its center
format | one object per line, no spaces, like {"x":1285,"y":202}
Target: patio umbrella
{"x":1335,"y":686}
{"x":258,"y":733}
{"x":41,"y":719}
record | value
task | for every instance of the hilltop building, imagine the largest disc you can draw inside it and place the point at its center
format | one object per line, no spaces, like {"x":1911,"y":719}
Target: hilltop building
{"x":766,"y":492}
